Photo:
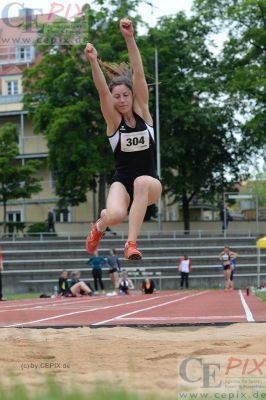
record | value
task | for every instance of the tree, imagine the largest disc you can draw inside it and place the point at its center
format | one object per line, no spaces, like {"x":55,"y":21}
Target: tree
{"x":199,"y":144}
{"x":257,"y":186}
{"x":243,"y":60}
{"x":16,"y":180}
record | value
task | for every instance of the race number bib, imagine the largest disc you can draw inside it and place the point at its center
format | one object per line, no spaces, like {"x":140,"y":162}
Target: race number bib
{"x":135,"y":141}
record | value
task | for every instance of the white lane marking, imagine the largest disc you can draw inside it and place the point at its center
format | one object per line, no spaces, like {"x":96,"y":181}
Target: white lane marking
{"x":57,"y":302}
{"x":182,"y":318}
{"x":247,"y":310}
{"x":148,"y":308}
{"x":87,"y":311}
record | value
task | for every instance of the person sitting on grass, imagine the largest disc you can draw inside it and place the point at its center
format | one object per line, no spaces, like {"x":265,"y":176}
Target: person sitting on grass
{"x":65,"y":289}
{"x":125,"y":284}
{"x":75,"y":278}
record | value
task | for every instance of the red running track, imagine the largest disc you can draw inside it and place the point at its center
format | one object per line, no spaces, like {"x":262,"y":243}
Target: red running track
{"x":160,"y":309}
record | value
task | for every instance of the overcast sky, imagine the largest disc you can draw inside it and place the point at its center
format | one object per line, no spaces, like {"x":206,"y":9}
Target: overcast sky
{"x":68,"y":8}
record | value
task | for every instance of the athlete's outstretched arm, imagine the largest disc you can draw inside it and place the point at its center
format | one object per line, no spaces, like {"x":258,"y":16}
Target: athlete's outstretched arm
{"x":109,"y":113}
{"x":139,"y":82}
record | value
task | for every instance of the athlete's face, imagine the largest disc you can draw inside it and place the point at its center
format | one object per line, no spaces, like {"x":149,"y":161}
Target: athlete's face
{"x":123,"y":98}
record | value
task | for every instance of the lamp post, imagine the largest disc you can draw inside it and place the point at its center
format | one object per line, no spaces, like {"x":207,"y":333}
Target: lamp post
{"x":158,"y":150}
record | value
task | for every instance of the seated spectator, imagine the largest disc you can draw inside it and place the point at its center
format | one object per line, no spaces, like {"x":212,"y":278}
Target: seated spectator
{"x":75,"y":278}
{"x":76,"y":290}
{"x":148,"y":286}
{"x":125,"y":284}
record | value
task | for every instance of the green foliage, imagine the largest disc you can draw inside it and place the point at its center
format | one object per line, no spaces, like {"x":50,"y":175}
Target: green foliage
{"x":257,"y":186}
{"x":38,"y":227}
{"x":262,"y":295}
{"x":243,"y":60}
{"x":22,"y":296}
{"x":204,"y":146}
{"x":16,"y":180}
{"x":13,"y":227}
{"x":55,"y":391}
{"x":199,"y":144}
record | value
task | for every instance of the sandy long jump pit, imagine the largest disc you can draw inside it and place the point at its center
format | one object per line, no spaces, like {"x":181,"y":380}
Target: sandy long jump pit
{"x":127,"y":348}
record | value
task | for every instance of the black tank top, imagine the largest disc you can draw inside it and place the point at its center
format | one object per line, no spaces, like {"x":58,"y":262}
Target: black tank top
{"x":134,"y":149}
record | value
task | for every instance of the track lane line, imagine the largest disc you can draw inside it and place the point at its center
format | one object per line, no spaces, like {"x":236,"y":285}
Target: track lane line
{"x":247,"y":310}
{"x":87,"y":311}
{"x":148,"y":308}
{"x":183,"y":318}
{"x":55,"y":303}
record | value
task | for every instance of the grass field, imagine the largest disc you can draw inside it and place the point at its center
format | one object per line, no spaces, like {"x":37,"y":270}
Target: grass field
{"x":22,"y":296}
{"x":56,"y":392}
{"x":262,"y":295}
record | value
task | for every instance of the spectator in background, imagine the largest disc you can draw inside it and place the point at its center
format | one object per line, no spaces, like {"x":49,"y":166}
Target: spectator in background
{"x":148,"y":286}
{"x":233,"y":257}
{"x":50,"y":220}
{"x":76,"y":290}
{"x":75,"y":278}
{"x":125,"y":284}
{"x":225,"y":217}
{"x":97,"y":263}
{"x":114,"y":268}
{"x":1,"y":269}
{"x":228,"y":259}
{"x":184,"y":267}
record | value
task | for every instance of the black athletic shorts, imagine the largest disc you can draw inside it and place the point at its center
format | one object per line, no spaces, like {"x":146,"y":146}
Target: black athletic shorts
{"x":128,"y":182}
{"x":226,"y":267}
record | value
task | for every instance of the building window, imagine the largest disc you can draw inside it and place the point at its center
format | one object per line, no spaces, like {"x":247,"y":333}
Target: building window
{"x":24,"y":53}
{"x":62,"y":215}
{"x":14,"y":216}
{"x":12,"y":87}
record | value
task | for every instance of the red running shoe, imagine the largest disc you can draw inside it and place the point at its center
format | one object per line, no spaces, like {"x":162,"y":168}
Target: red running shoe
{"x":93,"y":239}
{"x":131,"y":252}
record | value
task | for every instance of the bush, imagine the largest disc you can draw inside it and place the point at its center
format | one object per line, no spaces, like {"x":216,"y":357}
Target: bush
{"x":38,"y":227}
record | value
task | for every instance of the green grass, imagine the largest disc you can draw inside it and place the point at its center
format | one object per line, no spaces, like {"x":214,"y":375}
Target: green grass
{"x":56,"y":392}
{"x":22,"y":296}
{"x":262,"y":295}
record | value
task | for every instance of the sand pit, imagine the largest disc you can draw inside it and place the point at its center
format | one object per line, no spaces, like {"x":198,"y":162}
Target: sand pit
{"x":141,"y":360}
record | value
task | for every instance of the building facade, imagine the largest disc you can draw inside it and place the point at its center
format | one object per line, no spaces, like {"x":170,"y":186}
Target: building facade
{"x":17,"y":52}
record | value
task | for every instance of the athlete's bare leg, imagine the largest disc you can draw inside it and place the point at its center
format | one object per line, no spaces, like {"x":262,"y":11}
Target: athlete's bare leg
{"x":147,"y":191}
{"x":116,"y":207}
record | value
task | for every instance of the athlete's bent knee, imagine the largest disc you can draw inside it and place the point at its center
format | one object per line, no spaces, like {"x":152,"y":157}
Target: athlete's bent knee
{"x":115,"y":217}
{"x":141,"y":183}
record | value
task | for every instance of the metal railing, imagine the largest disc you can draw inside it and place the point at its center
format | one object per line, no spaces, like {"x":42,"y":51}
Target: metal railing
{"x":11,"y":99}
{"x":116,"y":236}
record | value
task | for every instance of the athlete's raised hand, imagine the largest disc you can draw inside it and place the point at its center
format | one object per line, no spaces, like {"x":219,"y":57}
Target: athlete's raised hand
{"x":90,"y":52}
{"x":126,"y":28}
